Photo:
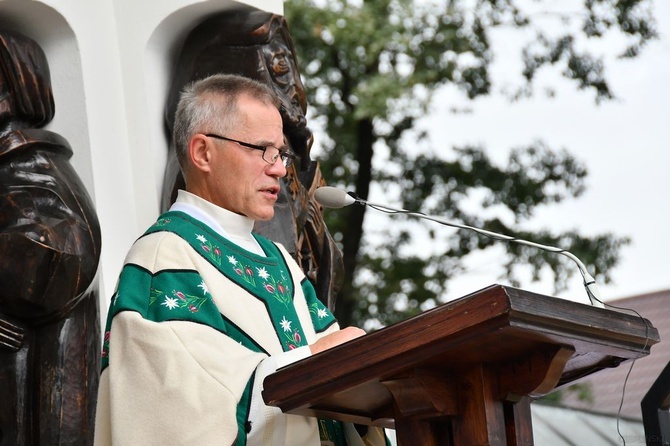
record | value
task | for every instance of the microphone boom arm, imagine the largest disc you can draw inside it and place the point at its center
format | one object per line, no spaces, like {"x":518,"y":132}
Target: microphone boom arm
{"x":589,"y":282}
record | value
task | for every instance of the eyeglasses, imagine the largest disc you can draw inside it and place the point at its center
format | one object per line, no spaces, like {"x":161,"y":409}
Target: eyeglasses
{"x":270,"y":153}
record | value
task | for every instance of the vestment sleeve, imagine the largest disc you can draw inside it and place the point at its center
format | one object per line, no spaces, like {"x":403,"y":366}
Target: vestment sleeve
{"x":172,"y":383}
{"x":267,"y":426}
{"x":172,"y":374}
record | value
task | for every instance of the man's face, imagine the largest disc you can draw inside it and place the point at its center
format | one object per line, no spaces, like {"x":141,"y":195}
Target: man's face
{"x":240,"y":179}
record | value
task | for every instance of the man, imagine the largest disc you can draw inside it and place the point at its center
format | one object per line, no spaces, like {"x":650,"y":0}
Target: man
{"x":204,"y":310}
{"x":258,"y":45}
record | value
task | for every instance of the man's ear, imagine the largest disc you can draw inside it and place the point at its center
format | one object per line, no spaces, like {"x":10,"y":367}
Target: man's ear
{"x":199,"y":151}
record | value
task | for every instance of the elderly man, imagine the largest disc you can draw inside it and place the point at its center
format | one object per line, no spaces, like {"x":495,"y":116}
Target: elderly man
{"x":204,"y":309}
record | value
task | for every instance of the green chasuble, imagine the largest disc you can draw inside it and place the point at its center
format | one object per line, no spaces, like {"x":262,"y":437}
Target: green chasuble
{"x":192,"y":326}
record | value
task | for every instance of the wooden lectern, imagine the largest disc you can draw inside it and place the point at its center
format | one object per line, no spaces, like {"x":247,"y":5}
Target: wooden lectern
{"x":464,"y":373}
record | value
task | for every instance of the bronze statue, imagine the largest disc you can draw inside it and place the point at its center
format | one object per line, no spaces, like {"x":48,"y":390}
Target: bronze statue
{"x":49,"y":252}
{"x":258,"y":45}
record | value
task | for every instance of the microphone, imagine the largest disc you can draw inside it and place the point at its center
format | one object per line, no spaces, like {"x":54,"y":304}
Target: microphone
{"x":334,"y":198}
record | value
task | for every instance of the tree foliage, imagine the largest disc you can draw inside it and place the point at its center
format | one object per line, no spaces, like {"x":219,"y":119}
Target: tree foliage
{"x":371,"y":69}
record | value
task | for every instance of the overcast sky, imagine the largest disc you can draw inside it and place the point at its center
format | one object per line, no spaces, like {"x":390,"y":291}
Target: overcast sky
{"x":625,"y":145}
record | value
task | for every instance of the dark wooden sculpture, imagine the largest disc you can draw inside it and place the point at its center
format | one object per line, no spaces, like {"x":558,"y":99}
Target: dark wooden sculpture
{"x":49,"y":251}
{"x":258,"y":45}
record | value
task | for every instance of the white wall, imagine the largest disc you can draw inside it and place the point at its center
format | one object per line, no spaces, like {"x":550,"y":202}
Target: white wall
{"x":111,"y":63}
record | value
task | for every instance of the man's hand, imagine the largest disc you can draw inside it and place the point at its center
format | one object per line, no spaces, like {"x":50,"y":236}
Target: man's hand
{"x":337,"y":338}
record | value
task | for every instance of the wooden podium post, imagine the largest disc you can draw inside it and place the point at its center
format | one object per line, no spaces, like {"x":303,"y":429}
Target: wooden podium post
{"x":463,"y":373}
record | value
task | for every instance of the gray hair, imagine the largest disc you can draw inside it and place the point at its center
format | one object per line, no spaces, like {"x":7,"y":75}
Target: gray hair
{"x":210,"y":105}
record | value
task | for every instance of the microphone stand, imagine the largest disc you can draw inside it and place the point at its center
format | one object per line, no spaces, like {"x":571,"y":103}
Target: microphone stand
{"x":589,"y":282}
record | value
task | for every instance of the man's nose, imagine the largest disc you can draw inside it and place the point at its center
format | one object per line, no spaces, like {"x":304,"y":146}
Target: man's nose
{"x":277,"y":169}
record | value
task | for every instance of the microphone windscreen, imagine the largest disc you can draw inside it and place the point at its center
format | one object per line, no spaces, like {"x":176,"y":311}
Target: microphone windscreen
{"x":332,"y":197}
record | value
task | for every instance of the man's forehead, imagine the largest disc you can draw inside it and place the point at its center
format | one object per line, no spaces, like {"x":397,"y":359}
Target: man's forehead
{"x":265,"y":121}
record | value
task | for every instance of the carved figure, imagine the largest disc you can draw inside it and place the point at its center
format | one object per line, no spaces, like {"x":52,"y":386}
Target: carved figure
{"x":258,"y":45}
{"x":49,"y":251}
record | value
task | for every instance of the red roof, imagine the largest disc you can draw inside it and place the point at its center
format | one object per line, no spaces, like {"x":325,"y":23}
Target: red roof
{"x":607,"y":386}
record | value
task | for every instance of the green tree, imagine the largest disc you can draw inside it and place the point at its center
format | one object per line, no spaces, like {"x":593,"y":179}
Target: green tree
{"x":371,"y":68}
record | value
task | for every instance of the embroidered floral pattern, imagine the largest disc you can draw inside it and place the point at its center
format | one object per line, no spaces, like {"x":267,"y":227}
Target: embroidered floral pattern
{"x":269,"y":281}
{"x":170,"y":302}
{"x":163,"y":221}
{"x":212,"y":251}
{"x":278,"y":288}
{"x":291,"y":338}
{"x":243,"y":271}
{"x":105,"y":345}
{"x":203,"y":286}
{"x":179,"y":299}
{"x":318,"y":310}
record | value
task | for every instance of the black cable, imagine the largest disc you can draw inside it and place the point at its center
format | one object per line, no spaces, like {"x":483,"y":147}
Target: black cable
{"x":630,"y":369}
{"x":591,"y":295}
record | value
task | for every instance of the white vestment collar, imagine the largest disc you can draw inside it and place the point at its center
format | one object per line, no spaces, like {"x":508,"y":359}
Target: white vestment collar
{"x":234,"y":227}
